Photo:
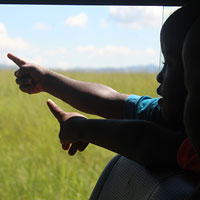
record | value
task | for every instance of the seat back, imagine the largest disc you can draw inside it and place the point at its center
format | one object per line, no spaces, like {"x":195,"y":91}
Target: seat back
{"x":123,"y":179}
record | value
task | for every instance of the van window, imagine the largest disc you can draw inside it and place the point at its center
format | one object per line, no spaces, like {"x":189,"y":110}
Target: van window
{"x":82,"y":37}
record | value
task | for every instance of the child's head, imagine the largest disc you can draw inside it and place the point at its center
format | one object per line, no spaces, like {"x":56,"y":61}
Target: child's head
{"x":191,"y":63}
{"x":191,"y":60}
{"x":171,"y":78}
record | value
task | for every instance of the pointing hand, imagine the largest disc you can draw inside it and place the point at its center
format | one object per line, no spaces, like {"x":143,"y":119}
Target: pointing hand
{"x":68,"y":139}
{"x":30,"y":77}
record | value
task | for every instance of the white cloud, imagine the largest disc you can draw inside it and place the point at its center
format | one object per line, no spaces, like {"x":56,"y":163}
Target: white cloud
{"x":39,"y":59}
{"x":11,"y":43}
{"x":150,"y":51}
{"x":3,"y":32}
{"x":112,"y":50}
{"x":137,"y":17}
{"x":79,"y":20}
{"x":43,"y":27}
{"x":57,"y":51}
{"x":63,"y":65}
{"x":61,"y":57}
{"x":103,"y":23}
{"x":115,"y":56}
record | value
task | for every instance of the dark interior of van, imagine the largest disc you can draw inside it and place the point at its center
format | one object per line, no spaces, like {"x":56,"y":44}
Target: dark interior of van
{"x":98,"y":2}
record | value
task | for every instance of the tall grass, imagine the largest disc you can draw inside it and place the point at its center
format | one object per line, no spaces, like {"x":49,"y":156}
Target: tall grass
{"x":32,"y":163}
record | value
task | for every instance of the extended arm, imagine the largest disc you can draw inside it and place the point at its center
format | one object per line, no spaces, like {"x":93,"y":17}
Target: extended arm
{"x":142,"y":141}
{"x":87,"y":97}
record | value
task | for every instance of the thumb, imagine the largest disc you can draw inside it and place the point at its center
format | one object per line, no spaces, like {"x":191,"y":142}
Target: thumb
{"x":57,"y":111}
{"x":16,"y":60}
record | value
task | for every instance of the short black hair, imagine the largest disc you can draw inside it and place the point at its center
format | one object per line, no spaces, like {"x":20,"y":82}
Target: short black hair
{"x":179,"y":23}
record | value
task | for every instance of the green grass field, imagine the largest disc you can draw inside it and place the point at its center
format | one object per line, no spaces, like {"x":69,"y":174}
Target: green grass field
{"x":32,"y":164}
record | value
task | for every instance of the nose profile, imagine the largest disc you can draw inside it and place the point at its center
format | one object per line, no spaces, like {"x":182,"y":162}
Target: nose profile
{"x":159,"y":77}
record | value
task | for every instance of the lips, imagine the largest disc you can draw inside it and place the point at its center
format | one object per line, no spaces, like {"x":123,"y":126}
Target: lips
{"x":160,"y":101}
{"x":159,"y":90}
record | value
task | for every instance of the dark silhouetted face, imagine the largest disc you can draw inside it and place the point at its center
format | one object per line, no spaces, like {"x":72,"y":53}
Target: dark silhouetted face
{"x":171,"y":78}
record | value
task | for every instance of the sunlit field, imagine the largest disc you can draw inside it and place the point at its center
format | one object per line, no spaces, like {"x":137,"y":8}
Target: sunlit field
{"x":32,"y":164}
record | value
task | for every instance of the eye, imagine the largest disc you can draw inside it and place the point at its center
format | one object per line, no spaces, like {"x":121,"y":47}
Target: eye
{"x":164,"y":63}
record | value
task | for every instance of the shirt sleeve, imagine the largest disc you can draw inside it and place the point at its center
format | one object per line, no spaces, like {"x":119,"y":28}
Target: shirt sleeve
{"x":142,"y":107}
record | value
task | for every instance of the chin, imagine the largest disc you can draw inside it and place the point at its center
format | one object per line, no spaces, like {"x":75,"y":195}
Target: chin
{"x":160,"y":101}
{"x":167,"y":114}
{"x":172,"y":119}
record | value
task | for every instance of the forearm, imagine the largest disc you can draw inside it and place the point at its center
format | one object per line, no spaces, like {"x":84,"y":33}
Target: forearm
{"x":87,"y":97}
{"x":141,"y":141}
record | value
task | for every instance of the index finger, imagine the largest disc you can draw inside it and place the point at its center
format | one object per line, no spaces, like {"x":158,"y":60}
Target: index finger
{"x":16,"y":60}
{"x":57,"y":111}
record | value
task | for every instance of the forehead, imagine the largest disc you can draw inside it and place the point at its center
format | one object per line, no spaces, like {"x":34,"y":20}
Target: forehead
{"x":175,"y":29}
{"x":170,"y":43}
{"x":171,"y":47}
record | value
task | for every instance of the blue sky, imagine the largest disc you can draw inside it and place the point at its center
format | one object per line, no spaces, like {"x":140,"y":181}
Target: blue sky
{"x":81,"y":36}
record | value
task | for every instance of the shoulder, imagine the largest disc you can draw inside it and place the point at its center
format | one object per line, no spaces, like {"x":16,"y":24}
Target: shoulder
{"x":142,"y":107}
